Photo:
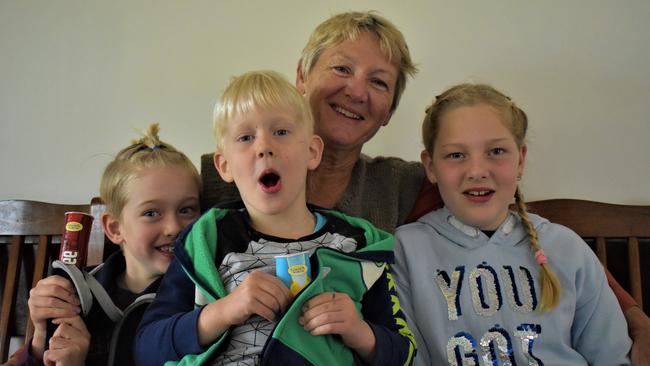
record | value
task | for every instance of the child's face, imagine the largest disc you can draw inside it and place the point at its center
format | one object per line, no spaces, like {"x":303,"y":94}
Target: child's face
{"x":476,"y":163}
{"x":267,"y":153}
{"x":161,"y":202}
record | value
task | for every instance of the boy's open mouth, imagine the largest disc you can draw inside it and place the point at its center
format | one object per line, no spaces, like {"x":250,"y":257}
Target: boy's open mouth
{"x":270,"y":181}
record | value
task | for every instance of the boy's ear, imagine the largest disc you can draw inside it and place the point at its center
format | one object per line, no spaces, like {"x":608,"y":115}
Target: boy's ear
{"x":316,"y":146}
{"x":221,"y":164}
{"x":427,"y":162}
{"x":112,"y":228}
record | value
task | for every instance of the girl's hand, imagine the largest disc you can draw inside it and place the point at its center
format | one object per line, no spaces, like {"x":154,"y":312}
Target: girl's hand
{"x":52,"y":297}
{"x":335,"y":313}
{"x":69,"y":344}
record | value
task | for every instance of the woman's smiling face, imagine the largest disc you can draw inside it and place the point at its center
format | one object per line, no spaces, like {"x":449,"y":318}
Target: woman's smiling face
{"x":350,"y":90}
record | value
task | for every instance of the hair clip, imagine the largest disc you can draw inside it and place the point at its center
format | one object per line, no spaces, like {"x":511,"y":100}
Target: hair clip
{"x":540,"y":257}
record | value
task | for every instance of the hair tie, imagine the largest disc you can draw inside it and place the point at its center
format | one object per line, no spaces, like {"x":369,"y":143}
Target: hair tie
{"x":540,"y":257}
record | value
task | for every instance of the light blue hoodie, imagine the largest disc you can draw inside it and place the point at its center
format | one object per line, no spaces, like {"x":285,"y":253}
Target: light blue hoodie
{"x":472,"y":300}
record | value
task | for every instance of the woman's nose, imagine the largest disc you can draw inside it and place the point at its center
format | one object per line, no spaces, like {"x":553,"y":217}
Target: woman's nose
{"x":357,"y":89}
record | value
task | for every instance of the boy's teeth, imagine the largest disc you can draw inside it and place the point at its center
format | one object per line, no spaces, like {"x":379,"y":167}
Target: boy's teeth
{"x":347,"y":113}
{"x":166,"y":248}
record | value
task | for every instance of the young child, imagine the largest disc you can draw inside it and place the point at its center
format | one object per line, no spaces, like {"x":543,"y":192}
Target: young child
{"x":481,"y":284}
{"x":151,"y":191}
{"x":221,"y":303}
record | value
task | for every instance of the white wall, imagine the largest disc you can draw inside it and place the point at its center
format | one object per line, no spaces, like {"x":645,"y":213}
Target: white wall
{"x":79,"y":78}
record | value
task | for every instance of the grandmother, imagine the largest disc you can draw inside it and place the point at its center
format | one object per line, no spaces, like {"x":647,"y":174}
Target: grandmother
{"x":353,"y":71}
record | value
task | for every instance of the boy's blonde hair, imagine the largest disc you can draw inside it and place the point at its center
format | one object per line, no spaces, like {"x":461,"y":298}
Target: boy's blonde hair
{"x":259,"y":89}
{"x":147,"y":152}
{"x":516,"y":121}
{"x":347,"y":26}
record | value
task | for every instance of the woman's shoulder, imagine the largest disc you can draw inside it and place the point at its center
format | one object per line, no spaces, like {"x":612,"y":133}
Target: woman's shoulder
{"x":391,"y":163}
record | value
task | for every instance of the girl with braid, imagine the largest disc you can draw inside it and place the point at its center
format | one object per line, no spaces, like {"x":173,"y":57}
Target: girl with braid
{"x":151,"y":191}
{"x":484,"y":282}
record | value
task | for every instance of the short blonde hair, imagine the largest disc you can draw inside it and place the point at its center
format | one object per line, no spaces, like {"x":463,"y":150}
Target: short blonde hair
{"x":347,"y":26}
{"x":259,"y":89}
{"x":146,"y":152}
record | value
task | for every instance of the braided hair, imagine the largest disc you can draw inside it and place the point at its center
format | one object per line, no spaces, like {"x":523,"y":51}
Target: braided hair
{"x":516,"y":121}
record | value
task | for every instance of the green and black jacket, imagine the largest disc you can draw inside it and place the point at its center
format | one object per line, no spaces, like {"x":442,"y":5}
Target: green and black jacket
{"x":170,"y":324}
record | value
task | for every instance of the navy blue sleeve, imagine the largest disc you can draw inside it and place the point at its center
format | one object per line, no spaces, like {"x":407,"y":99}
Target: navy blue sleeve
{"x":168,"y":330}
{"x":380,"y":307}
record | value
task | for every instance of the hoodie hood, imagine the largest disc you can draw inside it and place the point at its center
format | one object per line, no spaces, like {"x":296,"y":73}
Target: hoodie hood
{"x":509,"y":233}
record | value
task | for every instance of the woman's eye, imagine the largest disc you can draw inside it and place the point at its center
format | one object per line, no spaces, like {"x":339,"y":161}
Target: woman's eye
{"x":281,"y":132}
{"x":341,"y":69}
{"x":380,"y":83}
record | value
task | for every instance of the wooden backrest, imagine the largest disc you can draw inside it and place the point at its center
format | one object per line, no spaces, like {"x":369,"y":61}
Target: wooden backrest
{"x":30,"y":234}
{"x":619,"y":234}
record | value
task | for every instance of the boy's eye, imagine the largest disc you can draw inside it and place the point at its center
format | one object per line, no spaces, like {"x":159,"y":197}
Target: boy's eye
{"x":455,"y":156}
{"x":281,"y":132}
{"x":151,"y":213}
{"x":244,"y":138}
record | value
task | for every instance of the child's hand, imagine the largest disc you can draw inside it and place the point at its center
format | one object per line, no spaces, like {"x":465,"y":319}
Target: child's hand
{"x":69,"y":344}
{"x":52,"y":297}
{"x":260,"y":293}
{"x":335,"y":313}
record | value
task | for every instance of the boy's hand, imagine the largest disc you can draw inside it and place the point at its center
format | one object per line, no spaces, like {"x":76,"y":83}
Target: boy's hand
{"x":260,"y":293}
{"x":335,"y":313}
{"x":52,"y":297}
{"x":69,"y":344}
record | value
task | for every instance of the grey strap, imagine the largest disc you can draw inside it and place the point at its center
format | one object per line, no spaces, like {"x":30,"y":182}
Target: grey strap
{"x":112,"y":311}
{"x":77,"y":278}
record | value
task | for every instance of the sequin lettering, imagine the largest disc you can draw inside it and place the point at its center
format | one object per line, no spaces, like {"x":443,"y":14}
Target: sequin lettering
{"x":520,"y":294}
{"x":527,"y":333}
{"x":461,"y":350}
{"x":485,"y":290}
{"x":450,"y":288}
{"x":496,"y":348}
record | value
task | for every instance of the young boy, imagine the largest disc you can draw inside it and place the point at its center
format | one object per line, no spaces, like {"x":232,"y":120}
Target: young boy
{"x":221,"y":303}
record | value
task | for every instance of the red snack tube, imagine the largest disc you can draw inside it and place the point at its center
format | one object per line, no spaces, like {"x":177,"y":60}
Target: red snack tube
{"x":74,"y":242}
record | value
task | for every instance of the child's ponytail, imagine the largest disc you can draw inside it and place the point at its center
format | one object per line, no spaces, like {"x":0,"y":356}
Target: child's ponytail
{"x":146,"y":152}
{"x":550,"y":285}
